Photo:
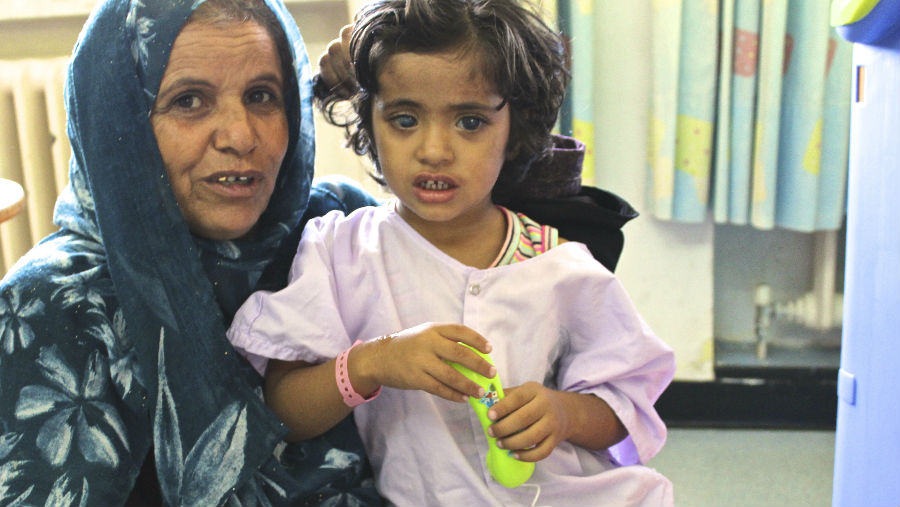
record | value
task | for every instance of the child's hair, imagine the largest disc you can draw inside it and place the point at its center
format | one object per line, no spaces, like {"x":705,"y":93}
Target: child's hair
{"x":519,"y":54}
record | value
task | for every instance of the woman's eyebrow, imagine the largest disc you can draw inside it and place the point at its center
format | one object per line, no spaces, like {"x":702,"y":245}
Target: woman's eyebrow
{"x":270,"y":77}
{"x":182,"y":83}
{"x":192,"y":82}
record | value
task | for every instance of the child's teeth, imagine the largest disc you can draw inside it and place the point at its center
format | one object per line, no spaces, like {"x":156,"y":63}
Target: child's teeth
{"x":436,"y":185}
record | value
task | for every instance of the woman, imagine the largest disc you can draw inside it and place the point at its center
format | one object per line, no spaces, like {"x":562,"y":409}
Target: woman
{"x":192,"y":137}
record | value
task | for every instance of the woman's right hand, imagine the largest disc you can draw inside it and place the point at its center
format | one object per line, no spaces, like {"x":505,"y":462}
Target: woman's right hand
{"x":335,"y":68}
{"x":416,"y":358}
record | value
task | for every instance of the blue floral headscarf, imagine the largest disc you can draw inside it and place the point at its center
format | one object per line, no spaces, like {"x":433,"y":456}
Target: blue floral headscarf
{"x":112,"y":330}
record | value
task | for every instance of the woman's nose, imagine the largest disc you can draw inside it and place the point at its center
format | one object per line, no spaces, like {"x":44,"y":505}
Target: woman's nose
{"x":234,"y":131}
{"x":435,"y":147}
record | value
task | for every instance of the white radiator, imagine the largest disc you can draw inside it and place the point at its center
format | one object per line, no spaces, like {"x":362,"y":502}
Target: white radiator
{"x":34,"y":149}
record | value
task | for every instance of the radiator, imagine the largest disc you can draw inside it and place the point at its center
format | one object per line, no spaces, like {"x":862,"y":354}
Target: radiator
{"x":34,"y":149}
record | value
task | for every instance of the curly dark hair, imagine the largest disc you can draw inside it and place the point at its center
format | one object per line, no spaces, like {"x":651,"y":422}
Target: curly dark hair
{"x":520,"y":54}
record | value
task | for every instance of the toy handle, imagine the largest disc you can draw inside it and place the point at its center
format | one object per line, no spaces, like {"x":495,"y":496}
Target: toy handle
{"x":505,"y":469}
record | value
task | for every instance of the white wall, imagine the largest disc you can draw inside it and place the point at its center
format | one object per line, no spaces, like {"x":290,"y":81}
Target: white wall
{"x":667,"y":268}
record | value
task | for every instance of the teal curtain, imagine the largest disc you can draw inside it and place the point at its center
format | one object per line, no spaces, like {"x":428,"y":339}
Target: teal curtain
{"x":576,"y":21}
{"x":749,"y":113}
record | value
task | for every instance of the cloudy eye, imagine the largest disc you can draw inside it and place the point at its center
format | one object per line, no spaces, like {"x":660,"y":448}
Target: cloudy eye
{"x":404,"y":121}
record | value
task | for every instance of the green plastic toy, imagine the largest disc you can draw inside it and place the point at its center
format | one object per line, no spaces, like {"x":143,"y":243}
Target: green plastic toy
{"x":505,"y":469}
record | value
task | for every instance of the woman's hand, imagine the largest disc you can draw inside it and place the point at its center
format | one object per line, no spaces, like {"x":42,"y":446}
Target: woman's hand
{"x":416,"y":358}
{"x":533,"y":419}
{"x":335,"y":68}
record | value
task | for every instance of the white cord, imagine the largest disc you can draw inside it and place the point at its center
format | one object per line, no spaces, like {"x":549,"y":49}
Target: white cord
{"x":537,"y":493}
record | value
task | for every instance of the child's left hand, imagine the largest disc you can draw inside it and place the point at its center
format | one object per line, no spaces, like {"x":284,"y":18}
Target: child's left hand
{"x":531,"y":421}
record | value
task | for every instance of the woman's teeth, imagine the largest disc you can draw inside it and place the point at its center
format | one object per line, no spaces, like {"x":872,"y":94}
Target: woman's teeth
{"x":435,"y":185}
{"x":240,"y":180}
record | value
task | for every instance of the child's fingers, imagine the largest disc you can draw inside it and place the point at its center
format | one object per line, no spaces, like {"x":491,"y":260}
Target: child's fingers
{"x":515,"y":398}
{"x":463,"y":356}
{"x":436,"y":387}
{"x":537,"y":452}
{"x":525,"y":432}
{"x":453,"y":352}
{"x":513,"y":426}
{"x":457,"y":382}
{"x":416,"y":358}
{"x":467,"y":335}
{"x":528,"y":421}
{"x":526,"y":438}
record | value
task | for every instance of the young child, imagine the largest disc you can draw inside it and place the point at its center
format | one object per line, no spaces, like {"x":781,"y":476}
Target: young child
{"x":456,"y":101}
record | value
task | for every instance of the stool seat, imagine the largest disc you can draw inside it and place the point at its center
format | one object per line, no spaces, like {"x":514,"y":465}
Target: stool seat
{"x":12,"y":199}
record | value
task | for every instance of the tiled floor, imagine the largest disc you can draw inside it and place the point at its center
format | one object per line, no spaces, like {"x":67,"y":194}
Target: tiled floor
{"x":747,"y":467}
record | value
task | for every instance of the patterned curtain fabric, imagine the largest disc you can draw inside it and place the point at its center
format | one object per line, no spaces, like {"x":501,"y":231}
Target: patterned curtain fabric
{"x":576,"y":22}
{"x":749,"y":113}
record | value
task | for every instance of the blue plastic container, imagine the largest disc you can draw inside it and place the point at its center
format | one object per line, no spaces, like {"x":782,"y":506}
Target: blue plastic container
{"x":867,"y":444}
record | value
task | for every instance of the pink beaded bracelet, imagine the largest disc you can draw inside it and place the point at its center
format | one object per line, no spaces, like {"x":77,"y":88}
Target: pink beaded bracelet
{"x":342,"y":376}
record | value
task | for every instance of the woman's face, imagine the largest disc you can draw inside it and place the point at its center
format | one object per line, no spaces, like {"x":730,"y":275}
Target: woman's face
{"x":220,"y":124}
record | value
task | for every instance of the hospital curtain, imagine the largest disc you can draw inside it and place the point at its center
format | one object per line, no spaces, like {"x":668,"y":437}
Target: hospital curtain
{"x":749,"y":113}
{"x":576,"y":20}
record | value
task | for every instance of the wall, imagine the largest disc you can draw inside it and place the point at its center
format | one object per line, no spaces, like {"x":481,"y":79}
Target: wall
{"x":666,"y":267}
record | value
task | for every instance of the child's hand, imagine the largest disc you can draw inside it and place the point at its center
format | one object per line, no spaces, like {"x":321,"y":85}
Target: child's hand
{"x":531,"y":421}
{"x":416,"y":358}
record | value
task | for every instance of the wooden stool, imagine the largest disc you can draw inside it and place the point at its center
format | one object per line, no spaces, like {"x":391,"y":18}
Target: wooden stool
{"x":12,"y":199}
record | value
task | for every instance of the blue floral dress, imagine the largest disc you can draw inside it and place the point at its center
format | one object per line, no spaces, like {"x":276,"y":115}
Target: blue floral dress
{"x":112,"y":330}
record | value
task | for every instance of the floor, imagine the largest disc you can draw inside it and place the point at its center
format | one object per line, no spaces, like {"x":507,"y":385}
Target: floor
{"x":748,"y":467}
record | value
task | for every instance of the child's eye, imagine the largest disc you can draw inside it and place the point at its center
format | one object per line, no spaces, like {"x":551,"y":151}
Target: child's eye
{"x":470,"y":123}
{"x":403,"y":121}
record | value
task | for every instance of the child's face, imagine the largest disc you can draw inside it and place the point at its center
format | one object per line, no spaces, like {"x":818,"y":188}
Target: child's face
{"x":441,"y":140}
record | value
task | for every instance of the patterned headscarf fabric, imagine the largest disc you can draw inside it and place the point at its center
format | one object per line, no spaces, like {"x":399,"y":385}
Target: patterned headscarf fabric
{"x":112,"y":330}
